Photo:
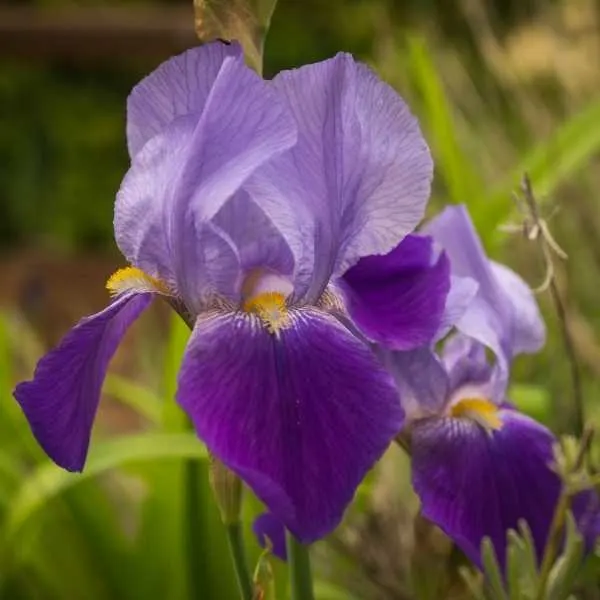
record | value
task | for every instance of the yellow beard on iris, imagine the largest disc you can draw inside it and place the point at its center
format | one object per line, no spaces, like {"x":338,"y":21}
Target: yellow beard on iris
{"x":133,"y":279}
{"x":271,"y":308}
{"x":480,"y":410}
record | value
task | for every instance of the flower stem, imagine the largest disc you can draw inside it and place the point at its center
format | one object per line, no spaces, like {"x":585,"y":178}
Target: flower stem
{"x":193,"y":548}
{"x":299,"y":565}
{"x":236,"y":548}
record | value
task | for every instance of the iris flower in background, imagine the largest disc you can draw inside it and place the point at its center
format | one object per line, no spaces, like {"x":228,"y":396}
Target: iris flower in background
{"x":478,"y":464}
{"x":248,"y":203}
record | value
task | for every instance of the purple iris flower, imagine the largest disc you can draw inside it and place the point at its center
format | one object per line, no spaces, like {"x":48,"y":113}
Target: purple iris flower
{"x":249,"y":206}
{"x":478,"y":464}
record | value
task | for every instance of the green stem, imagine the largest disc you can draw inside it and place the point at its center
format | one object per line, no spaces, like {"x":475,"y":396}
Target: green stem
{"x":194,"y":550}
{"x":236,"y":548}
{"x":299,"y":565}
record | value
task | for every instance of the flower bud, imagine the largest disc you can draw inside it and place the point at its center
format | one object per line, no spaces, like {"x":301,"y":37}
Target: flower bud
{"x":227,"y":488}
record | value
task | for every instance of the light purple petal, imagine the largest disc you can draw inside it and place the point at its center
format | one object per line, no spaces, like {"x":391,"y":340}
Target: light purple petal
{"x":244,"y":124}
{"x":60,"y":401}
{"x":258,"y":242}
{"x":142,"y":217}
{"x":462,"y":292}
{"x":473,"y":483}
{"x":466,"y":362}
{"x":421,"y":380}
{"x":267,"y":526}
{"x":359,"y":177}
{"x":397,"y":299}
{"x":178,"y":87}
{"x":145,"y":198}
{"x":186,"y":173}
{"x":487,"y":317}
{"x":528,"y":328}
{"x":301,"y":416}
{"x":503,"y":314}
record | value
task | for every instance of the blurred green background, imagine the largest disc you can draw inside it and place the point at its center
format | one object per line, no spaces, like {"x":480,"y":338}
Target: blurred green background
{"x":501,"y":87}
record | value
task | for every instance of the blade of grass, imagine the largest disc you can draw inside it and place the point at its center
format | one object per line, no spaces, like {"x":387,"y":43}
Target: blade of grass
{"x":142,"y":400}
{"x":548,"y":165}
{"x":459,"y":178}
{"x":560,"y":157}
{"x":48,"y":481}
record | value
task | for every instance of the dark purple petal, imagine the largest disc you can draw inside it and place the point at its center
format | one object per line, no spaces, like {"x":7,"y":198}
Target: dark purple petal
{"x":359,"y":177}
{"x":60,"y":401}
{"x":586,"y":510}
{"x":301,"y":415}
{"x":185,"y":174}
{"x":267,"y":526}
{"x":474,"y":483}
{"x":398,"y":299}
{"x":178,"y":87}
{"x":503,"y":315}
{"x":420,"y":378}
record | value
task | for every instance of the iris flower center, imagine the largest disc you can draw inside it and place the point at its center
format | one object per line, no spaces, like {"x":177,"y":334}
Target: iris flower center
{"x":271,"y":308}
{"x":480,"y":410}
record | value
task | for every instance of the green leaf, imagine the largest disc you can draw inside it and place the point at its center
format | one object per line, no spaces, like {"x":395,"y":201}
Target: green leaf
{"x":135,"y":396}
{"x":551,"y":163}
{"x":474,"y":582}
{"x":162,"y":521}
{"x":328,"y":591}
{"x":529,"y":556}
{"x":533,"y":400}
{"x":492,"y":570}
{"x":48,"y":481}
{"x":173,"y":418}
{"x":514,"y":564}
{"x":563,"y":155}
{"x":244,"y":20}
{"x":451,"y":162}
{"x":568,"y":565}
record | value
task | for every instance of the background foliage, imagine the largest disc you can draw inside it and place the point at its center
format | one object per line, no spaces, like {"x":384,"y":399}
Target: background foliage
{"x":500,"y":87}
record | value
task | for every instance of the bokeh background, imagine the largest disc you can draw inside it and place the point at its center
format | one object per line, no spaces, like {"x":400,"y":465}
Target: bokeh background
{"x":501,"y":87}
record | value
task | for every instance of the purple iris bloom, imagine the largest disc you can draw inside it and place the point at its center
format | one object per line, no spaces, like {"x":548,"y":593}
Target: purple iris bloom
{"x":248,"y":206}
{"x":478,"y":464}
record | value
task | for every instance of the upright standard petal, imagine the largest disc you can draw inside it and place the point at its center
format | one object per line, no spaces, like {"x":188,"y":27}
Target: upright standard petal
{"x":398,"y":299}
{"x":260,"y":245}
{"x":185,"y":174}
{"x":178,"y":87}
{"x":60,"y":401}
{"x":528,"y":330}
{"x":503,"y":315}
{"x":361,"y":167}
{"x":474,"y":483}
{"x":300,"y":415}
{"x":143,"y":213}
{"x":462,"y":293}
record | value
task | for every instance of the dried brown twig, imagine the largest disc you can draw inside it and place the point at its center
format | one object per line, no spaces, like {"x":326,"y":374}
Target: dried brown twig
{"x":535,"y":228}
